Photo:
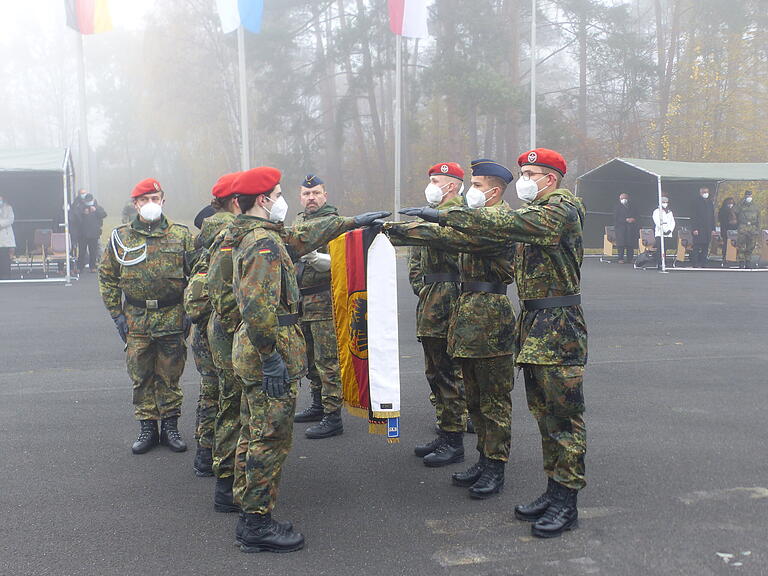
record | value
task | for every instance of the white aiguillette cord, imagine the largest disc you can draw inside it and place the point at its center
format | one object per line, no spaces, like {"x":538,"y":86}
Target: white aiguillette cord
{"x":125,"y":261}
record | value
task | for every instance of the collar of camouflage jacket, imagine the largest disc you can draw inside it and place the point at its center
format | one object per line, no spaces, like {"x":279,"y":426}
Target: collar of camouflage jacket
{"x":243,"y":223}
{"x":151,"y":228}
{"x":564,"y":192}
{"x":213,"y":225}
{"x":325,"y":210}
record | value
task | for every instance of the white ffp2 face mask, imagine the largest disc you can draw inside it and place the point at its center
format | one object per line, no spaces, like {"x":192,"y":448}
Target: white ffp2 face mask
{"x":279,"y":210}
{"x":434,"y":193}
{"x":151,"y":211}
{"x":477,"y":198}
{"x":527,"y":189}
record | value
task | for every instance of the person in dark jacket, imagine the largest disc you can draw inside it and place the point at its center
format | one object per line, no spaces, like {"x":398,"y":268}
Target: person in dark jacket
{"x":702,"y":226}
{"x":626,"y":228}
{"x":88,"y":218}
{"x":728,"y":220}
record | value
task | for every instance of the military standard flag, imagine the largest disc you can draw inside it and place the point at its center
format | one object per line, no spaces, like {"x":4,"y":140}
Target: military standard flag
{"x":364,"y":290}
{"x":408,"y":18}
{"x":88,"y":16}
{"x":236,"y":13}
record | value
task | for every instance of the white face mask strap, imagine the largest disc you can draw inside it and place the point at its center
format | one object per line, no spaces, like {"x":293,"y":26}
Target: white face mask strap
{"x":116,"y":242}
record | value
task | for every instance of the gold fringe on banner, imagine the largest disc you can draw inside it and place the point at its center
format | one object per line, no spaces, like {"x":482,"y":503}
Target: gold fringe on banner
{"x":377,"y":428}
{"x":357,"y":411}
{"x":386,"y":414}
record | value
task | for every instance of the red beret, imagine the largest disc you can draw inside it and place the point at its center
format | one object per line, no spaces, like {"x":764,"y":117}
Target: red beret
{"x":447,"y":169}
{"x":223,"y":186}
{"x":543,"y":157}
{"x":256,"y":181}
{"x":146,"y":186}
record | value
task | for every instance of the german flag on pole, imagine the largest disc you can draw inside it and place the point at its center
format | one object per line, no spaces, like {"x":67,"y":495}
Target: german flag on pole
{"x":363,"y":265}
{"x":88,"y":16}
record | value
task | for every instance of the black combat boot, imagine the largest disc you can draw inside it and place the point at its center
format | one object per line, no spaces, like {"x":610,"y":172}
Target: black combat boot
{"x":470,"y":475}
{"x":147,"y":438}
{"x":561,"y":515}
{"x":262,"y":534}
{"x":314,"y":412}
{"x":241,"y":526}
{"x":222,"y":496}
{"x":423,"y":449}
{"x":203,"y":464}
{"x":450,"y":451}
{"x":535,"y":510}
{"x":170,"y":435}
{"x":491,"y":481}
{"x":330,"y":425}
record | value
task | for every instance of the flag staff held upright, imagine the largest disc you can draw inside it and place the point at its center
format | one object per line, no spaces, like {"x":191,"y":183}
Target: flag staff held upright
{"x":245,"y":144}
{"x":398,"y":121}
{"x":533,"y":74}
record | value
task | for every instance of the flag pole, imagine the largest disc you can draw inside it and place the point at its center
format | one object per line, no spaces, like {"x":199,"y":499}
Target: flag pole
{"x":533,"y":73}
{"x":398,"y":119}
{"x":245,"y":145}
{"x":85,"y":163}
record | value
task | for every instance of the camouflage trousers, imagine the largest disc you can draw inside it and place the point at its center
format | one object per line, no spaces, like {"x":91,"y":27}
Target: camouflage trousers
{"x":488,"y":386}
{"x":208,"y":400}
{"x":226,"y":427}
{"x":745,"y":244}
{"x":263,"y":446}
{"x":556,"y":400}
{"x":323,"y":362}
{"x":155,"y":366}
{"x":446,"y":383}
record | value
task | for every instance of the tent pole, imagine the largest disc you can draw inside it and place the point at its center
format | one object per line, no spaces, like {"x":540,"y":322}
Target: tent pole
{"x":64,"y":178}
{"x":661,"y":237}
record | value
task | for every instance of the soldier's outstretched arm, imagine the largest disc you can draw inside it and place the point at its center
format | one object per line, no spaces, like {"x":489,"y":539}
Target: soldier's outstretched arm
{"x":260,"y":294}
{"x":421,"y":233}
{"x":309,"y":235}
{"x":536,"y":224}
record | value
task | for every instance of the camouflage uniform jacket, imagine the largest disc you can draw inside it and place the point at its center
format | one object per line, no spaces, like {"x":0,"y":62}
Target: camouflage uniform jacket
{"x":482,"y":323}
{"x":161,"y":276}
{"x":315,"y":306}
{"x":548,"y":261}
{"x":436,"y":300}
{"x":265,"y":287}
{"x":220,"y":280}
{"x":197,"y":303}
{"x":748,"y":216}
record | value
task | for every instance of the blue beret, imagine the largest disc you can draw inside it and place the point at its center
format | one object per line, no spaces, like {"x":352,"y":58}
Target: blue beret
{"x":485,"y":167}
{"x":311,"y":180}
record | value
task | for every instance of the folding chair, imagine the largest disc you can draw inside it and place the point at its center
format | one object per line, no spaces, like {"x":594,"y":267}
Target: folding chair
{"x":40,"y":243}
{"x":57,"y":253}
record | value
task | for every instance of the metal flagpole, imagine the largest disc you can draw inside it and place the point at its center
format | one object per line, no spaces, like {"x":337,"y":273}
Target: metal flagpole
{"x":85,"y":164}
{"x":533,"y":73}
{"x":398,"y":119}
{"x":245,"y":145}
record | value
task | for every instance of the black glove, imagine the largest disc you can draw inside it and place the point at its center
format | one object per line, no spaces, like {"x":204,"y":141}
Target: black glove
{"x":122,"y":326}
{"x":367,"y":218}
{"x":425,"y":213}
{"x":186,"y":325}
{"x":275,"y":376}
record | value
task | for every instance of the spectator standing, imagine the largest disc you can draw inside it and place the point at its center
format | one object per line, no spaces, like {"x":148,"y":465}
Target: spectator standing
{"x":664,"y":223}
{"x":626,"y":228}
{"x":702,"y":226}
{"x":728,"y":220}
{"x":7,"y":239}
{"x":88,"y":218}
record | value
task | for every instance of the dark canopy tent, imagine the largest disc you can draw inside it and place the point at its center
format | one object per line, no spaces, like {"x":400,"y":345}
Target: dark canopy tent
{"x":38,"y":184}
{"x":641,"y":179}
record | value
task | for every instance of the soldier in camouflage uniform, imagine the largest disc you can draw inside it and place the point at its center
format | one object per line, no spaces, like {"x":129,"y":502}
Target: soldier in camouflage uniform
{"x":268,"y":351}
{"x":146,"y":264}
{"x":434,"y":278}
{"x":551,"y":333}
{"x":211,"y":220}
{"x":748,"y":216}
{"x":314,"y":277}
{"x":481,"y":329}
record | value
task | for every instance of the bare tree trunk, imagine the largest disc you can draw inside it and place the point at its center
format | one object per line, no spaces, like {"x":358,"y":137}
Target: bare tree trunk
{"x":581,"y":155}
{"x":665,"y":68}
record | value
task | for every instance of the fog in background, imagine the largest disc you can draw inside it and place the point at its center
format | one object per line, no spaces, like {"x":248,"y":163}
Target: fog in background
{"x":667,"y":79}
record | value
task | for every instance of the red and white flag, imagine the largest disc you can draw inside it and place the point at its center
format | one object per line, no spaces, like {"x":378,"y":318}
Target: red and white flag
{"x":408,"y":18}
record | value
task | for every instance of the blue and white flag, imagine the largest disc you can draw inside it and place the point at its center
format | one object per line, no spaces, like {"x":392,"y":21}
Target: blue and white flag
{"x":236,"y":13}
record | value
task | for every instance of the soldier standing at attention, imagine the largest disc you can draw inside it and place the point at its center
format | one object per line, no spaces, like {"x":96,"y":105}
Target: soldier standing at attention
{"x":434,"y":277}
{"x":145,"y":263}
{"x":748,"y":216}
{"x":197,"y":304}
{"x":268,"y":350}
{"x":551,"y":332}
{"x":481,"y":330}
{"x":314,"y":276}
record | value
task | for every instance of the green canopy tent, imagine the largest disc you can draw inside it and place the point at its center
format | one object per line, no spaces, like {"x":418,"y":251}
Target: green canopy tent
{"x":646,"y":181}
{"x":38,"y":184}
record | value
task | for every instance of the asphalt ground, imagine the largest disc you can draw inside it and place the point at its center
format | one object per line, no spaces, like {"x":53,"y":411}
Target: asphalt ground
{"x":676,"y":391}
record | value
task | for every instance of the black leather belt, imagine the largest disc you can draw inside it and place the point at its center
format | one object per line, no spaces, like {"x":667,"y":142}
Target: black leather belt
{"x":153,"y":304}
{"x":287,"y":319}
{"x":441,"y":277}
{"x":491,"y":287}
{"x":553,"y":302}
{"x":309,"y":290}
